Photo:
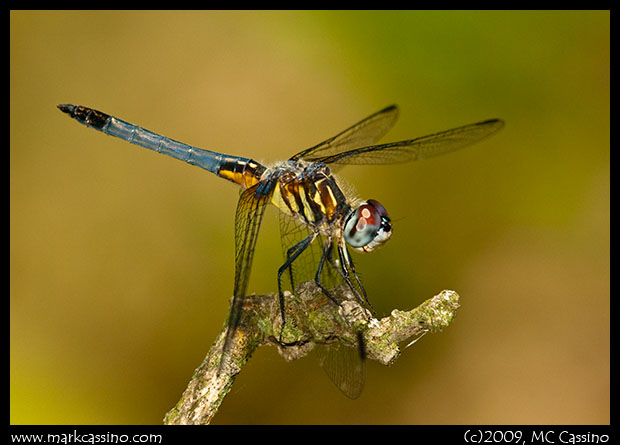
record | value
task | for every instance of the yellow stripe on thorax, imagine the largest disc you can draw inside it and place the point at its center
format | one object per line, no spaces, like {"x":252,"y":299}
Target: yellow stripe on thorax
{"x":295,"y":199}
{"x":282,"y":203}
{"x":325,"y":198}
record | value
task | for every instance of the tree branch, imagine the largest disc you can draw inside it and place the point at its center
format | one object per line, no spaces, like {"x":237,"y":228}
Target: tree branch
{"x":311,"y":319}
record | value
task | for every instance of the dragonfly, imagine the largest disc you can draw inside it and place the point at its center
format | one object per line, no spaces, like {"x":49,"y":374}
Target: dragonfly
{"x":320,"y":223}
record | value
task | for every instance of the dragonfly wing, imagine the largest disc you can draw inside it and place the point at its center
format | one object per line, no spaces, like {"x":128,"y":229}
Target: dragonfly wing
{"x":304,"y":268}
{"x":419,"y":148}
{"x":345,"y":366}
{"x":362,"y":134}
{"x":249,"y":215}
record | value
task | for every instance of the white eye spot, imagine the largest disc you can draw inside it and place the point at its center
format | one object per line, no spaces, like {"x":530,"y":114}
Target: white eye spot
{"x":361,"y":225}
{"x":365,"y":213}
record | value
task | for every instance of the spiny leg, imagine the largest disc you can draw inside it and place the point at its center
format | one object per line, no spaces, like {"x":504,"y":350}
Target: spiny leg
{"x":344,"y":273}
{"x":317,"y":278}
{"x":291,"y":255}
{"x":347,"y":261}
{"x":345,"y":258}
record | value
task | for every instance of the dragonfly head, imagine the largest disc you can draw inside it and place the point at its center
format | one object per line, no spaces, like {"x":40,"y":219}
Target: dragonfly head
{"x":367,"y":227}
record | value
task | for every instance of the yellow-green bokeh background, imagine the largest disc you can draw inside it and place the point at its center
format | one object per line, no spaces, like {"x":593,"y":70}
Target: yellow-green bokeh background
{"x":122,"y":260}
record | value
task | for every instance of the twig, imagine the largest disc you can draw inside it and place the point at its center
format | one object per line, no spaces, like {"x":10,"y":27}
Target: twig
{"x":311,"y":319}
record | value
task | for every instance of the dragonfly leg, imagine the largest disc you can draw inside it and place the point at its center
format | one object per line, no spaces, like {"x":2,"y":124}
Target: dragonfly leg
{"x":291,"y":255}
{"x":347,"y":261}
{"x":343,"y":270}
{"x":317,"y":277}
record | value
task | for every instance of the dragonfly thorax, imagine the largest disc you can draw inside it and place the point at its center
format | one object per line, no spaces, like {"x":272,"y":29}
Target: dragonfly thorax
{"x":309,"y":192}
{"x":367,"y":227}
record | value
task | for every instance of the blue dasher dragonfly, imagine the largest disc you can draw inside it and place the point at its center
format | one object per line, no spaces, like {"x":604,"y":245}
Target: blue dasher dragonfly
{"x":319,"y":221}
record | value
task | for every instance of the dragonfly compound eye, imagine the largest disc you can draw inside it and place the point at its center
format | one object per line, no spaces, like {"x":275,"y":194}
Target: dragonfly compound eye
{"x":368,"y":227}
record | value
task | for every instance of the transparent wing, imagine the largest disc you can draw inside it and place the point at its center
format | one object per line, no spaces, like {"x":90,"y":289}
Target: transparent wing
{"x":304,"y":267}
{"x":418,"y":148}
{"x":344,"y":365}
{"x":250,"y":210}
{"x":362,"y":134}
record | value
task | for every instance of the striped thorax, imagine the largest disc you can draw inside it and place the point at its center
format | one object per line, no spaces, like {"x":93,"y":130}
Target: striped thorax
{"x":310,"y":193}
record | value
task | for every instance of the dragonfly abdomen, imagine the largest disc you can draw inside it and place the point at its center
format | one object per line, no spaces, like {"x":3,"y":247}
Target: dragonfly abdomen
{"x":242,"y":171}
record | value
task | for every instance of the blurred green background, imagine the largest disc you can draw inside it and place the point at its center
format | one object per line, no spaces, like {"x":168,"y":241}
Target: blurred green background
{"x":122,"y":259}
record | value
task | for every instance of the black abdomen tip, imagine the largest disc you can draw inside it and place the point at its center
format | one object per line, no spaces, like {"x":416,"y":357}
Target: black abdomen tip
{"x":87,"y":116}
{"x":66,"y":108}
